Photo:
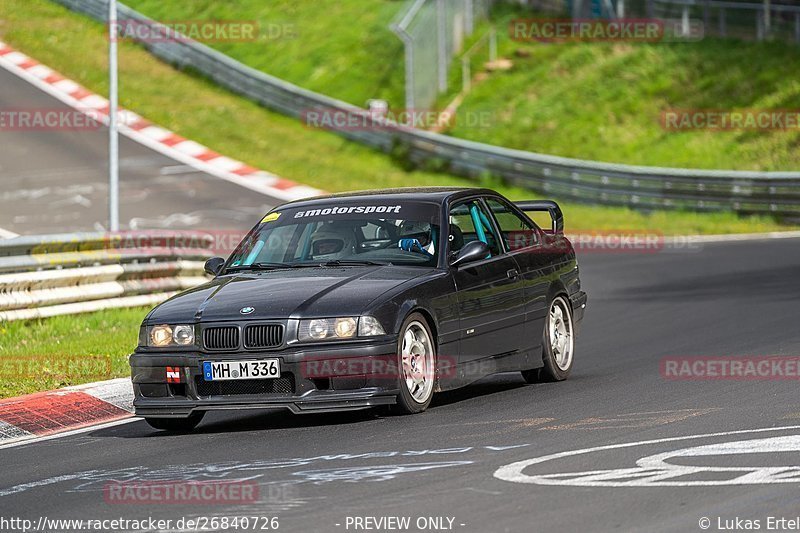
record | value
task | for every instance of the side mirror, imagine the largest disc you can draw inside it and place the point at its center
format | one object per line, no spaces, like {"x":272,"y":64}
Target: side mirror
{"x":214,"y":266}
{"x":472,"y":251}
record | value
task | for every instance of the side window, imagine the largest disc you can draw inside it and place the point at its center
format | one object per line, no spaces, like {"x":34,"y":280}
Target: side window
{"x":517,"y":232}
{"x":470,"y":222}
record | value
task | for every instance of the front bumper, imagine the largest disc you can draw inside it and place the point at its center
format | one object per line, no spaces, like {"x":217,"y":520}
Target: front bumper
{"x":313,"y":379}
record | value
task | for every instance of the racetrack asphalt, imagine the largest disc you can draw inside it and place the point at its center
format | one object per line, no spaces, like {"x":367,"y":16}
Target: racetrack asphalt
{"x":57,"y":181}
{"x":725,"y":299}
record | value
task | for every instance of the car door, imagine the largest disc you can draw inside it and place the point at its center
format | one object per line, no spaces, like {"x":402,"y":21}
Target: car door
{"x":490,"y":291}
{"x":524,"y":241}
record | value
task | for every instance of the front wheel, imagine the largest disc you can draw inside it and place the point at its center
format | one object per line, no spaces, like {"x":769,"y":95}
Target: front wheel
{"x":416,"y":352}
{"x":176,"y":425}
{"x":558,"y":344}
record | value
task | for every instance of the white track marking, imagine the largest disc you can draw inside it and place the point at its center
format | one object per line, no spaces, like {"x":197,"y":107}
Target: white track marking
{"x":641,"y":476}
{"x":34,"y":440}
{"x":5,"y":234}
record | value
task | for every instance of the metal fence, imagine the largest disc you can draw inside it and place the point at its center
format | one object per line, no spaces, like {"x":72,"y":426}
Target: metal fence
{"x":741,"y":19}
{"x":53,"y":275}
{"x":592,"y":182}
{"x":744,"y":20}
{"x":433,"y":33}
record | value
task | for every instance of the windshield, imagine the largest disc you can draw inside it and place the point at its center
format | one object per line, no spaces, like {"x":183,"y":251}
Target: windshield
{"x":342,"y":233}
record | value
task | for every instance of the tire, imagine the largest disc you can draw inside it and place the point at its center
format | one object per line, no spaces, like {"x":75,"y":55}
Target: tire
{"x":176,"y":425}
{"x":416,"y":354}
{"x":558,"y":344}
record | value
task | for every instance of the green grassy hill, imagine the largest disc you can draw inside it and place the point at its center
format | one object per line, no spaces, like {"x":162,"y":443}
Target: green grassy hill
{"x":342,"y":48}
{"x":599,"y":101}
{"x":604,"y":101}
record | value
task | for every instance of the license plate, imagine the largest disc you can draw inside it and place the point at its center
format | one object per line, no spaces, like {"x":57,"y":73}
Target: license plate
{"x":229,"y":370}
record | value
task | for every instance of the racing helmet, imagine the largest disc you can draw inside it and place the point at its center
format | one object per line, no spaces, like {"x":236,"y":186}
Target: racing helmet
{"x":333,"y":240}
{"x":421,"y":231}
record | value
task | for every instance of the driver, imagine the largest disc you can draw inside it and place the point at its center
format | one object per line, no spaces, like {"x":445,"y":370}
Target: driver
{"x":416,"y":237}
{"x":333,"y":240}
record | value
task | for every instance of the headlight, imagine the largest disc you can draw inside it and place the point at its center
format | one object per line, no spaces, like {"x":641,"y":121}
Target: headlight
{"x":345,"y":327}
{"x":160,"y":336}
{"x":348,"y":327}
{"x":183,"y":335}
{"x":167,"y":335}
{"x":318,"y":329}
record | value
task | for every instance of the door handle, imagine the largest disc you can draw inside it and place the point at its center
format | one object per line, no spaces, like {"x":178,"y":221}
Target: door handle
{"x":513,"y":273}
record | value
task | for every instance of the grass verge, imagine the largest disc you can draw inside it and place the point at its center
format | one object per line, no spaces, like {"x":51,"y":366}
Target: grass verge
{"x":56,"y":352}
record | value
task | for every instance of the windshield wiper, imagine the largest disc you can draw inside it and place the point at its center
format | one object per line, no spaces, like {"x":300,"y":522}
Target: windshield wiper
{"x":352,"y":262}
{"x":259,"y":266}
{"x":278,"y":266}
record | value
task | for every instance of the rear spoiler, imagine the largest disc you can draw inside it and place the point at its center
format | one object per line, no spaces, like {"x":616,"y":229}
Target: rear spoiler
{"x":545,"y":205}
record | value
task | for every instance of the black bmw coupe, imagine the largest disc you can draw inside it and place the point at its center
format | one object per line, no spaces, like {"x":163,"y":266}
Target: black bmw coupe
{"x":365,"y":299}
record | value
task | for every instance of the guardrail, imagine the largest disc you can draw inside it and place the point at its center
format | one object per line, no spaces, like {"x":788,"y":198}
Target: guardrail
{"x":638,"y":187}
{"x":53,"y":275}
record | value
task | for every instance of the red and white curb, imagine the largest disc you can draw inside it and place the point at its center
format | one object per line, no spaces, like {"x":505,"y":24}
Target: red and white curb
{"x":151,"y":135}
{"x":54,"y":412}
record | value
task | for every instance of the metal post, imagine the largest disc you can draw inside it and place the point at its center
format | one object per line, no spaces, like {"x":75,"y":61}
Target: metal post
{"x":113,"y":139}
{"x":685,"y":21}
{"x":620,"y":9}
{"x":577,"y":9}
{"x":767,"y":19}
{"x":797,"y":27}
{"x":470,"y":17}
{"x":441,"y":35}
{"x":759,"y":25}
{"x":723,"y":30}
{"x":401,"y":30}
{"x":608,"y":7}
{"x":466,"y":74}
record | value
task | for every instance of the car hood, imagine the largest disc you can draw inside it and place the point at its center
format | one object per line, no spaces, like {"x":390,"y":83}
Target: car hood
{"x":276,"y":294}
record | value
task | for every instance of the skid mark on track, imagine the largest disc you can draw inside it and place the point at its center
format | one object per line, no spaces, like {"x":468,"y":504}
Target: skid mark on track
{"x":632,"y":420}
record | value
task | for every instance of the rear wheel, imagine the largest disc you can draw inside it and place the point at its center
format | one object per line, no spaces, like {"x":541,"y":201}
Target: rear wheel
{"x":416,"y":352}
{"x":558,"y":344}
{"x":177,"y":425}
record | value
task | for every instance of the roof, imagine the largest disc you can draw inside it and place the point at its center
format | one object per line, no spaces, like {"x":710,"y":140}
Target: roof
{"x":431,"y":194}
